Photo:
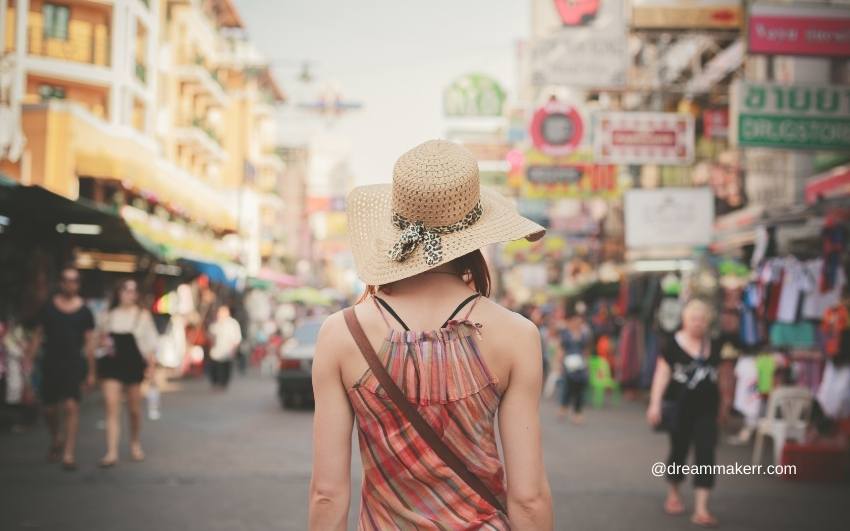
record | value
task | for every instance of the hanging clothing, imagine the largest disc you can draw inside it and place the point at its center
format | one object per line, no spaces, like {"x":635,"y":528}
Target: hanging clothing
{"x":834,"y":244}
{"x":818,"y":301}
{"x":747,"y":399}
{"x":834,"y":392}
{"x":750,"y":301}
{"x":405,"y":484}
{"x":836,"y":321}
{"x":797,"y":335}
{"x":808,"y":373}
{"x":766,"y":369}
{"x":629,"y":355}
{"x":18,"y":368}
{"x":796,"y":281}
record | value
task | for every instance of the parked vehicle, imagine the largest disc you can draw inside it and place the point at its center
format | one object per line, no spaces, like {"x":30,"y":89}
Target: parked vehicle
{"x":294,"y":376}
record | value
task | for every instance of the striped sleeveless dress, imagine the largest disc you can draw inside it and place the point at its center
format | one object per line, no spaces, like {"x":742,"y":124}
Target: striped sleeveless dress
{"x":405,"y":484}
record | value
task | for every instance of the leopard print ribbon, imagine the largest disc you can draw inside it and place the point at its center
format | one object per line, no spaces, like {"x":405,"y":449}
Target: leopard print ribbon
{"x":415,"y":232}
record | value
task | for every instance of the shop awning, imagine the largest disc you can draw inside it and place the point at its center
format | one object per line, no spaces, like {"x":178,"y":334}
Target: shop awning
{"x":829,"y":185}
{"x":38,"y":214}
{"x":230,"y":275}
{"x":266,"y":277}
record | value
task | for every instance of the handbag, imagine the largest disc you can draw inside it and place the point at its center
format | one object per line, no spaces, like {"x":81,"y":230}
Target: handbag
{"x":412,"y":414}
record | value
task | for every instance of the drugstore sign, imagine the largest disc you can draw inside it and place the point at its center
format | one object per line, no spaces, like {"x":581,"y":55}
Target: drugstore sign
{"x":792,"y":116}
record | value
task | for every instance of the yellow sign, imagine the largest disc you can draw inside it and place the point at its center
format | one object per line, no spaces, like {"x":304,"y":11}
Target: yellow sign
{"x":573,"y":175}
{"x":687,"y":14}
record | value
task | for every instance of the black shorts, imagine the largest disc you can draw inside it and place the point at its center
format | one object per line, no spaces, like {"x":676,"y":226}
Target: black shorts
{"x":127,"y":368}
{"x":61,"y":383}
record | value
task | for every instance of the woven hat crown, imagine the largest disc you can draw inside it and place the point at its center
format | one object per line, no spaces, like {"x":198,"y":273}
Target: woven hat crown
{"x":436,"y":183}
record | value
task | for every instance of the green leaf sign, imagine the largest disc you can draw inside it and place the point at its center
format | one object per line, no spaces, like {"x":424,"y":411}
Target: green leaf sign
{"x":474,"y":95}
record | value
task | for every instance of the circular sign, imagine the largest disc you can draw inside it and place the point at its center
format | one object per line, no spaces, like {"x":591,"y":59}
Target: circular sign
{"x":556,"y":128}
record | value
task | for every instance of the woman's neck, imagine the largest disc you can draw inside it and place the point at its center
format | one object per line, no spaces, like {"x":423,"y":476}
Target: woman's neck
{"x":690,"y":337}
{"x":437,"y":283}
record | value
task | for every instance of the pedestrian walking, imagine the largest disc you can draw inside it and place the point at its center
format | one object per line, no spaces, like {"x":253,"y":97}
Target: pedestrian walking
{"x":128,"y":340}
{"x":65,"y":328}
{"x":684,"y":401}
{"x":448,"y":361}
{"x":226,"y":336}
{"x":575,"y":340}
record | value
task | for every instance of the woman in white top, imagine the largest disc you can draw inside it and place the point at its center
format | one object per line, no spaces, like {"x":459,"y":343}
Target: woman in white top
{"x":129,"y":338}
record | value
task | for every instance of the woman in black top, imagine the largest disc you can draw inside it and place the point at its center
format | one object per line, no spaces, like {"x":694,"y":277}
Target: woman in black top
{"x":686,"y":380}
{"x":66,"y":327}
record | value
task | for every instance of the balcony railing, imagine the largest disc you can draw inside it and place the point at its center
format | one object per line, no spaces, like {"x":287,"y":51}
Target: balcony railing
{"x":80,"y":46}
{"x":141,"y":72}
{"x":209,"y":131}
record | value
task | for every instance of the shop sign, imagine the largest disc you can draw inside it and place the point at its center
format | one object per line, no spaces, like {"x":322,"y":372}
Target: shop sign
{"x":715,"y":123}
{"x":669,"y":217}
{"x":686,"y":14}
{"x":643,"y":138}
{"x":799,"y":30}
{"x":584,"y":43}
{"x":483,"y":151}
{"x":792,"y":116}
{"x":563,"y":177}
{"x":834,"y":183}
{"x":556,"y":128}
{"x":474,"y":95}
{"x":770,"y":177}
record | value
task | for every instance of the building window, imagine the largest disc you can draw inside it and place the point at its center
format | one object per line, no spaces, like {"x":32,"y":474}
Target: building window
{"x":51,"y":92}
{"x":56,"y":19}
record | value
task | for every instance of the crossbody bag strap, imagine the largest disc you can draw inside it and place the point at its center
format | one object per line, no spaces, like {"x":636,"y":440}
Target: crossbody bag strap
{"x":412,"y":414}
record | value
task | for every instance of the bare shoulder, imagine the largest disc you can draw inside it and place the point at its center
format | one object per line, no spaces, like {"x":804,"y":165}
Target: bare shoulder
{"x":507,"y":328}
{"x":508,"y":320}
{"x":331,"y":332}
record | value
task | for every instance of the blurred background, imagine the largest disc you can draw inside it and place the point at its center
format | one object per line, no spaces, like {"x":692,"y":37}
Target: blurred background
{"x":673,"y":148}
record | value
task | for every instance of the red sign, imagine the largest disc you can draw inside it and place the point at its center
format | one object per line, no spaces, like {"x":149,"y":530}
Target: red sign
{"x":834,"y":183}
{"x":715,"y":123}
{"x":643,"y":138}
{"x":799,"y":30}
{"x":556,"y":128}
{"x":577,"y":12}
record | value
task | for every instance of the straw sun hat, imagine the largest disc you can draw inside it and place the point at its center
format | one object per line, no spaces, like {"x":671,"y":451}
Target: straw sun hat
{"x":434,"y":211}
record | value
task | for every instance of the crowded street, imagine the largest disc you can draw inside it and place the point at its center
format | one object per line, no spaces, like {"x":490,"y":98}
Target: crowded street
{"x":498,"y":265}
{"x":239,"y":462}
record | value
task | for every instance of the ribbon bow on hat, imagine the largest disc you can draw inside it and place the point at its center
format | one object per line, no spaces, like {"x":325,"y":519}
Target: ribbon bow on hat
{"x":415,"y":232}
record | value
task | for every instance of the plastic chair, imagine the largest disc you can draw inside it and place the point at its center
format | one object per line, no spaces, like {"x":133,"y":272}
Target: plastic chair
{"x":601,"y":381}
{"x":788,"y":412}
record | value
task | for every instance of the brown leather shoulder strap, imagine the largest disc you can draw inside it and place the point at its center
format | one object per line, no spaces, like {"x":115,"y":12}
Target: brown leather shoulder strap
{"x":412,"y":414}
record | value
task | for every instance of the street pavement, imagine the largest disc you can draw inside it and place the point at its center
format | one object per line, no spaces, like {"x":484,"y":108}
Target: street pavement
{"x":237,"y":461}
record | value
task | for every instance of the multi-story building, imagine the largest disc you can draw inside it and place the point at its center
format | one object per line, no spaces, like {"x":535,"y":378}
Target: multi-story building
{"x":161,"y":108}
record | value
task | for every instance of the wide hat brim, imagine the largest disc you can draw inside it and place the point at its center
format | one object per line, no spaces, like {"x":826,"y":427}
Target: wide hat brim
{"x":372,"y":233}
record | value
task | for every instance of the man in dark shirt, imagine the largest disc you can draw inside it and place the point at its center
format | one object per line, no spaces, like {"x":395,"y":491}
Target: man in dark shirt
{"x":66,"y":328}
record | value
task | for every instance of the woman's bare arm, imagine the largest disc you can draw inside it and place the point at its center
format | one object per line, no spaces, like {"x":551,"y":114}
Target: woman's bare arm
{"x":330,"y":486}
{"x":529,"y":497}
{"x":659,"y":383}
